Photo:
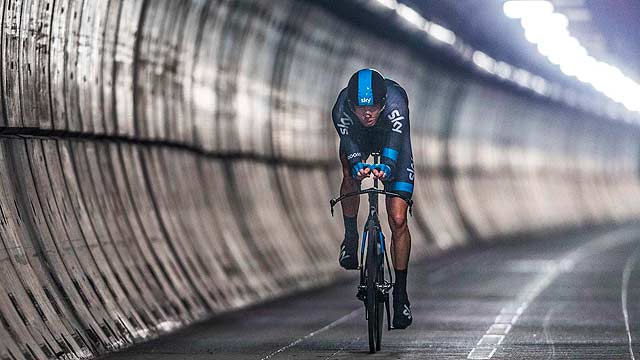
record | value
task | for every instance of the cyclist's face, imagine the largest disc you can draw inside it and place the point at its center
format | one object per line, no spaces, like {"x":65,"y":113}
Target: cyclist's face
{"x":368,"y":115}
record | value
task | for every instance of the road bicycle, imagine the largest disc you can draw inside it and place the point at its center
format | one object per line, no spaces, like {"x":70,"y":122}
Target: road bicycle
{"x":374,"y":286}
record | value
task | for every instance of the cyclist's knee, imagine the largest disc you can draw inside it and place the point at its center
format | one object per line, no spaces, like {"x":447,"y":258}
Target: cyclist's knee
{"x":347,"y":180}
{"x":397,"y":221}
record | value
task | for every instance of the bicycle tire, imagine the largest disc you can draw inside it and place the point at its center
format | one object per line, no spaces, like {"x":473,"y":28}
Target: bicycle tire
{"x":379,"y":301}
{"x":372,"y":313}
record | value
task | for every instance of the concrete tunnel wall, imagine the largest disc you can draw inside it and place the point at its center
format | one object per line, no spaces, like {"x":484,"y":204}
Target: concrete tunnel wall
{"x":162,"y":161}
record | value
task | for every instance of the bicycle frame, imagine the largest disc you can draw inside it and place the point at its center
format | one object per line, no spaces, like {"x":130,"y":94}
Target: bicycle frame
{"x":377,"y":245}
{"x":373,"y":241}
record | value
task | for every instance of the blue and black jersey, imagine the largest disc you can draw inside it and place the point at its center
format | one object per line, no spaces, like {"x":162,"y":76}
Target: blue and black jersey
{"x":390,"y":136}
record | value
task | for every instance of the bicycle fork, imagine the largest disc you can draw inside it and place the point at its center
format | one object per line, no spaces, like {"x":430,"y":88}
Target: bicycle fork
{"x":383,"y":287}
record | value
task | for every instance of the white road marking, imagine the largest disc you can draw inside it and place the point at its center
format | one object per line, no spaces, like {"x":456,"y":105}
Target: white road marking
{"x":312,"y":334}
{"x":545,"y":327}
{"x":499,"y":329}
{"x":530,"y":266}
{"x":490,"y":340}
{"x":506,"y":319}
{"x":626,"y":275}
{"x":482,"y":353}
{"x":342,"y":348}
{"x":510,"y":314}
{"x":514,"y":309}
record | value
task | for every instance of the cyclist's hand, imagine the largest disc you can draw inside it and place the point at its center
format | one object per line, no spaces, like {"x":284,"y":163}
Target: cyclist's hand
{"x":377,"y":174}
{"x":381,"y":171}
{"x":360,"y":171}
{"x":363,"y":174}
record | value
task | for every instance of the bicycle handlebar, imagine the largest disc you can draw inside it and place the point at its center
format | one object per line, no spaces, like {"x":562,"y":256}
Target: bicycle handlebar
{"x":334,"y":202}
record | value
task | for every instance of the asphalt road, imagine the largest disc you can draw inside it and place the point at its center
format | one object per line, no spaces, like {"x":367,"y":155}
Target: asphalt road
{"x":570,"y":296}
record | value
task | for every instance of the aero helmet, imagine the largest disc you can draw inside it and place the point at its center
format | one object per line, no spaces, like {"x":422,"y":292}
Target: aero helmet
{"x":366,"y":87}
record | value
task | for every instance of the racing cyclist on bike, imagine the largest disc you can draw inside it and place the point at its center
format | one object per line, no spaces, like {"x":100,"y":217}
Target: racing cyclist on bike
{"x":372,"y":115}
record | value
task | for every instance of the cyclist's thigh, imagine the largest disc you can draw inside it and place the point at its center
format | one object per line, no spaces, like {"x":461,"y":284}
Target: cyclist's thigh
{"x":404,"y":178}
{"x":346,"y":168}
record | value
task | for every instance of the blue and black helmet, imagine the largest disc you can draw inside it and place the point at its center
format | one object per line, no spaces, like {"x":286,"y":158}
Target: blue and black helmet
{"x":366,"y":88}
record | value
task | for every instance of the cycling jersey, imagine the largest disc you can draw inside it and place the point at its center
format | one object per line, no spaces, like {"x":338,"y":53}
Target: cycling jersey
{"x":390,"y":137}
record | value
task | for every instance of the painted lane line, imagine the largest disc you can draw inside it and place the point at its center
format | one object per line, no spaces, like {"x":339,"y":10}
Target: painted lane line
{"x":312,"y":334}
{"x":499,"y":329}
{"x":529,"y":266}
{"x":626,"y":275}
{"x":481,"y":353}
{"x":491,"y":340}
{"x":514,"y":309}
{"x":545,"y":328}
{"x":509,"y":316}
{"x":342,"y":348}
{"x":506,"y":319}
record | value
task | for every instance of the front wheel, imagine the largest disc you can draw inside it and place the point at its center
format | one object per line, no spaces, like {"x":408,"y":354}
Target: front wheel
{"x":370,"y":273}
{"x":379,"y":300}
{"x":374,"y":275}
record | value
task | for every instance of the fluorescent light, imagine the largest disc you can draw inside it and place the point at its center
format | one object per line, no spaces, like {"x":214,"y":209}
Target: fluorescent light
{"x":539,"y":85}
{"x":539,"y":28}
{"x":516,"y":9}
{"x":411,"y":15}
{"x":391,"y":4}
{"x":549,"y":31}
{"x":441,"y":33}
{"x":484,"y":61}
{"x":503,"y":70}
{"x":522,"y":77}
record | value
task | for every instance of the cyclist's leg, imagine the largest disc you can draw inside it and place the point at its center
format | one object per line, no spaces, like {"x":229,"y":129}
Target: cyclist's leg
{"x":401,"y":237}
{"x":349,"y":184}
{"x":348,"y":257}
{"x":401,"y":183}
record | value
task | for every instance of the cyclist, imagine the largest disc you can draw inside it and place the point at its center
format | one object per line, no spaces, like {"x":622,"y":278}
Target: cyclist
{"x":372,"y":115}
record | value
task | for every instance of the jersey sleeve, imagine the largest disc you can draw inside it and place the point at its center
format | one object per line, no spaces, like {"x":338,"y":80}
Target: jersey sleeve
{"x":344,"y":126}
{"x":397,"y":115}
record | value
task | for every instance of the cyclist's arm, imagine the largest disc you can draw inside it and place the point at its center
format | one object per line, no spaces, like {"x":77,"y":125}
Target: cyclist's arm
{"x":399,"y":132}
{"x":344,"y":126}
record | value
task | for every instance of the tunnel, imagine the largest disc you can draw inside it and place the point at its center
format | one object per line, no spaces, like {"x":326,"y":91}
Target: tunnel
{"x":167,"y":162}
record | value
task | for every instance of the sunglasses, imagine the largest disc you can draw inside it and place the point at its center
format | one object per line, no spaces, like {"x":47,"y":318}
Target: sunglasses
{"x":373,"y":108}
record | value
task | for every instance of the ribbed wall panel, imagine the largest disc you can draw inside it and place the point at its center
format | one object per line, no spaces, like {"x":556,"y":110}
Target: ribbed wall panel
{"x":194,"y":155}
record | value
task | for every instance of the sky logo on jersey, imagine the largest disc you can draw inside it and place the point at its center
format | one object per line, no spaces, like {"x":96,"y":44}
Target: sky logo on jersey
{"x":396,"y":121}
{"x":345,"y":123}
{"x":365,"y":92}
{"x":411,"y":170}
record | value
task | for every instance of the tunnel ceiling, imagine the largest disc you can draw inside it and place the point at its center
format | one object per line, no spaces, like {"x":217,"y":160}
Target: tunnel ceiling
{"x":608,"y":32}
{"x":615,"y":29}
{"x":162,"y":161}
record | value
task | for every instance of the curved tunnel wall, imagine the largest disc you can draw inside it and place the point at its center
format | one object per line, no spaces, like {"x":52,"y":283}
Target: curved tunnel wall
{"x":165,"y":160}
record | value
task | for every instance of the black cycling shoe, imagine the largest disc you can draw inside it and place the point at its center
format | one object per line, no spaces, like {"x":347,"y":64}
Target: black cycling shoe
{"x":349,"y":254}
{"x":401,"y":314}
